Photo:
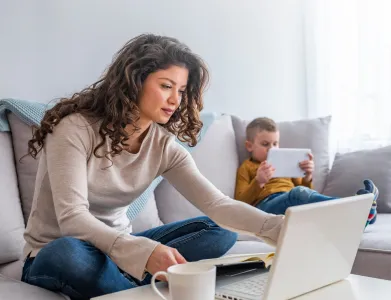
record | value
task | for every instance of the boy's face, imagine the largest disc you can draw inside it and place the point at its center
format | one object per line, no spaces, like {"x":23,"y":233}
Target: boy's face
{"x":263,"y":141}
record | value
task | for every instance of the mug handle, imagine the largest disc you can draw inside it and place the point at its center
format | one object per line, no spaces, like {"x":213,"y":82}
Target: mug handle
{"x":155,"y":289}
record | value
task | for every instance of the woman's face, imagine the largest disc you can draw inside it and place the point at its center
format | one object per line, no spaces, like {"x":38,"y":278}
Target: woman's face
{"x":161,"y":94}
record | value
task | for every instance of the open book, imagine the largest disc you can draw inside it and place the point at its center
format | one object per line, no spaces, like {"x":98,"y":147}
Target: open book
{"x":240,"y":260}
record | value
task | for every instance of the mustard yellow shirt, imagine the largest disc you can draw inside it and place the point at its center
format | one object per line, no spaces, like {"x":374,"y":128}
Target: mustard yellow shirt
{"x":248,"y":189}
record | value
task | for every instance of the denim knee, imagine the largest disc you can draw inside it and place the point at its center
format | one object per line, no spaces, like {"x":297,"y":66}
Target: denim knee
{"x":206,"y":220}
{"x":67,"y":245}
{"x":67,"y":255}
{"x":223,"y":238}
{"x":77,"y":269}
{"x":300,"y":194}
{"x":229,"y":238}
{"x":301,"y":189}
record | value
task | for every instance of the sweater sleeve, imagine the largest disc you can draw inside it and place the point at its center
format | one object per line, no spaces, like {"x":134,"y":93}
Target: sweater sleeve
{"x":246,"y":189}
{"x":302,"y":182}
{"x":67,"y":151}
{"x":233,"y":215}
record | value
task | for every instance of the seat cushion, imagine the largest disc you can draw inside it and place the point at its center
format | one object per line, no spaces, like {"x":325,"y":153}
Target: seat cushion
{"x":373,"y":263}
{"x":244,"y":247}
{"x":17,"y":290}
{"x":378,"y":236}
{"x":11,"y":219}
{"x":216,"y":158}
{"x":374,"y":257}
{"x":12,"y":270}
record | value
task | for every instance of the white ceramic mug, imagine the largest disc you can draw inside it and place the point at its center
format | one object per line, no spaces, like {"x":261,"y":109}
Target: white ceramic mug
{"x":188,"y":281}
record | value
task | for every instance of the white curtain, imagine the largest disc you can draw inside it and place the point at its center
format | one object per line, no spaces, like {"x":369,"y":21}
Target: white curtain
{"x":348,"y":63}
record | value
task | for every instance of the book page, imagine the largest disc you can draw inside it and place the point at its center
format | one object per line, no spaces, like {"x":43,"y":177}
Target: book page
{"x":267,"y":258}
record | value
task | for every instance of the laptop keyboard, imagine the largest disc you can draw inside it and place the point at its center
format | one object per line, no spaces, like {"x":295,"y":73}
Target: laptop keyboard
{"x":251,"y":287}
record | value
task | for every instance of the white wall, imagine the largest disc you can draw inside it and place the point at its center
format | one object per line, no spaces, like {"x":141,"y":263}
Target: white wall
{"x":254,"y":48}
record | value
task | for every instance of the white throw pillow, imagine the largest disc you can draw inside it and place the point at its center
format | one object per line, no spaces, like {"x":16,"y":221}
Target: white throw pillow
{"x":148,"y":218}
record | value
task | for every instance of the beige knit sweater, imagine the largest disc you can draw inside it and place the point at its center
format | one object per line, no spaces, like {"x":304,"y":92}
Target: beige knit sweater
{"x":80,"y":195}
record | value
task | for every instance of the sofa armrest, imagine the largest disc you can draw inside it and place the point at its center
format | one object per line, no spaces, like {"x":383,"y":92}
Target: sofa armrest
{"x":11,"y":217}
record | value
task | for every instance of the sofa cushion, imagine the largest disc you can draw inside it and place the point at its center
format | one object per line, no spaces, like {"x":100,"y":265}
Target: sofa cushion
{"x":148,"y":218}
{"x":374,"y":257}
{"x":12,"y":270}
{"x":17,"y":290}
{"x":378,"y":235}
{"x":244,"y":247}
{"x":372,"y":263}
{"x":350,"y":169}
{"x":11,"y":219}
{"x":217,"y":159}
{"x":311,"y":133}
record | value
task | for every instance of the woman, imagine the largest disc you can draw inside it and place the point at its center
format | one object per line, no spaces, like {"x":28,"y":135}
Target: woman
{"x":102,"y":148}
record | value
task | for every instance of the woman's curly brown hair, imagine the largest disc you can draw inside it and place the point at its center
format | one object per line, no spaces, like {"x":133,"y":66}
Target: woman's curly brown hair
{"x":114,"y":98}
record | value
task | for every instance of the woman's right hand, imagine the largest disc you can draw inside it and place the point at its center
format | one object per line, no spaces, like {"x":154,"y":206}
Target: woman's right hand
{"x":162,"y":258}
{"x":264,"y":173}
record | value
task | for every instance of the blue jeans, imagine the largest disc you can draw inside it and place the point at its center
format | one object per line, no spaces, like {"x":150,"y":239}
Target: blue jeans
{"x":81,"y":271}
{"x":278,"y":203}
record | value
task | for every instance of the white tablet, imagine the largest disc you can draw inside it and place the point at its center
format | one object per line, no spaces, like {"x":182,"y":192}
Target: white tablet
{"x":286,"y":161}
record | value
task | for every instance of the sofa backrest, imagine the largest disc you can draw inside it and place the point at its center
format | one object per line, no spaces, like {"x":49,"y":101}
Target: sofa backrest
{"x":11,"y":219}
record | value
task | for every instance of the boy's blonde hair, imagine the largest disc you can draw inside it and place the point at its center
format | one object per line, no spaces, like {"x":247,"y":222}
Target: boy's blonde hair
{"x":259,"y":124}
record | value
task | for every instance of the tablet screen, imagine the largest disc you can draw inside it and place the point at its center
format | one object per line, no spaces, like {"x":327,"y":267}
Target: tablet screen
{"x":286,"y":161}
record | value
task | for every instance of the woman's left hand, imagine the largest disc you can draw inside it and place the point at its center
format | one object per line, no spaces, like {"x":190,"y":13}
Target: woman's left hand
{"x":308,"y":167}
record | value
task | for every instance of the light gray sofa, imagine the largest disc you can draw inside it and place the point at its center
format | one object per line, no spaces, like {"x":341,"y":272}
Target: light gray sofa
{"x":217,"y":155}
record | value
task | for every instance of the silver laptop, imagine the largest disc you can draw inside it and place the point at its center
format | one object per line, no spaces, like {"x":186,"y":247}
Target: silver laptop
{"x":317,"y":247}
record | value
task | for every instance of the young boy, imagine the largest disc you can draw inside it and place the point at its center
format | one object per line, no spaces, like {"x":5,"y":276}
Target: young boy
{"x":255,"y":185}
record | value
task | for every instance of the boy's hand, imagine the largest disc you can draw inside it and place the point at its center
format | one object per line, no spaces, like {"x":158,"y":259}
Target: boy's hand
{"x":264,"y":173}
{"x":308,"y":167}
